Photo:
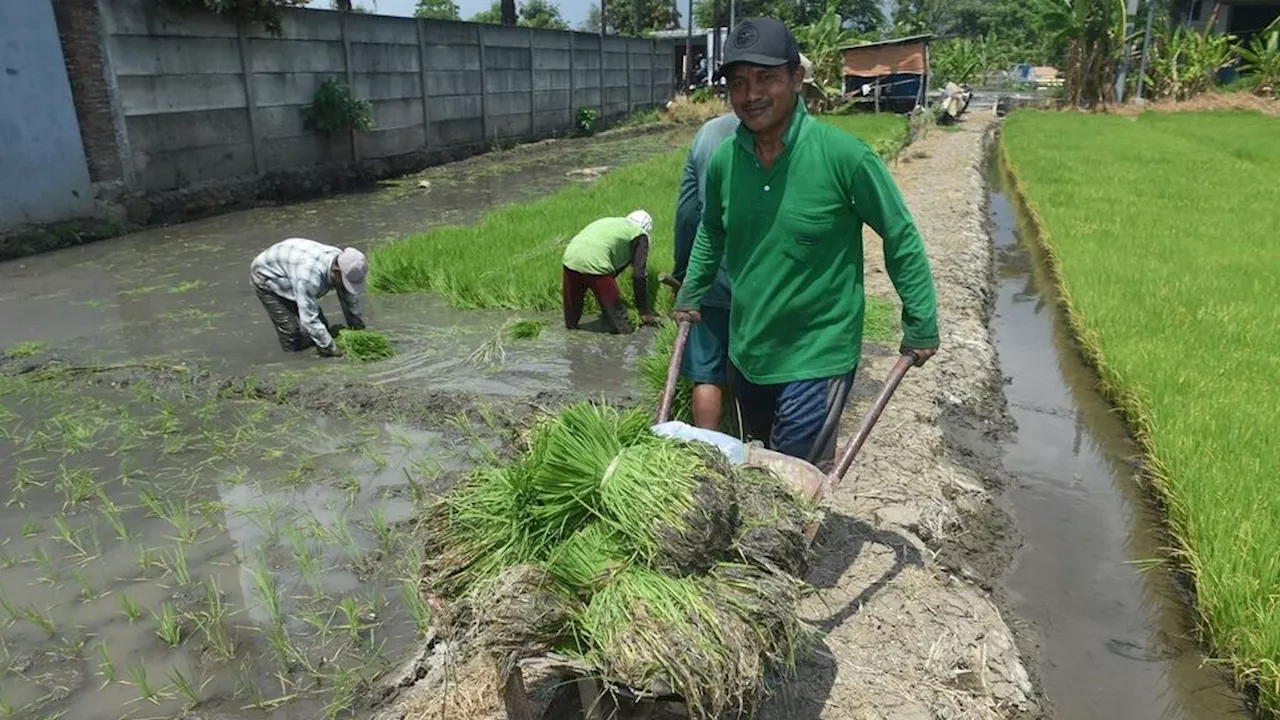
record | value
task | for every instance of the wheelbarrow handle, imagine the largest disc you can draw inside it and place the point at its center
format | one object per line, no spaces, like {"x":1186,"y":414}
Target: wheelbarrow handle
{"x":900,"y":368}
{"x":673,"y":371}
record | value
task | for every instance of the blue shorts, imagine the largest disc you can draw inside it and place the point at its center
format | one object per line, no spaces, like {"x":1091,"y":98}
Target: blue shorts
{"x":800,"y":419}
{"x":706,"y":354}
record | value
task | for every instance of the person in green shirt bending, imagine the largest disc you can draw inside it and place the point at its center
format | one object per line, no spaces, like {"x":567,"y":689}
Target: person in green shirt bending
{"x":595,"y":257}
{"x":786,"y":200}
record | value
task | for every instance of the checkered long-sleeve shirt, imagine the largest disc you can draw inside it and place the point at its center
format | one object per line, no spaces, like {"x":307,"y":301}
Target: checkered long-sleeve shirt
{"x":299,"y":269}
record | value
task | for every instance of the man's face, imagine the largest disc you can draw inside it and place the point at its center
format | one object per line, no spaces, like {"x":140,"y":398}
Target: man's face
{"x":763,"y":97}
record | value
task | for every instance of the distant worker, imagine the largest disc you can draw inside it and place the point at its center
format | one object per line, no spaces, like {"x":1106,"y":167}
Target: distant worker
{"x":786,"y":201}
{"x":595,"y":257}
{"x":291,"y":276}
{"x":706,"y":355}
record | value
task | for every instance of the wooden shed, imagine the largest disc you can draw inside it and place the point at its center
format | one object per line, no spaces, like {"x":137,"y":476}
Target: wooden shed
{"x":892,"y":73}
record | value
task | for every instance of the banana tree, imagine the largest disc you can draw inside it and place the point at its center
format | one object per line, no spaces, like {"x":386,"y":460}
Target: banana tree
{"x":1262,"y":58}
{"x":821,"y":41}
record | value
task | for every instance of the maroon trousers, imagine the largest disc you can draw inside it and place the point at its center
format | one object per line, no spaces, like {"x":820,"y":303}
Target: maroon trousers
{"x":612,"y":310}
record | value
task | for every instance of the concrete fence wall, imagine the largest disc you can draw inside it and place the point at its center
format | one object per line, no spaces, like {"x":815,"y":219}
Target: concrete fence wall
{"x":198,"y":98}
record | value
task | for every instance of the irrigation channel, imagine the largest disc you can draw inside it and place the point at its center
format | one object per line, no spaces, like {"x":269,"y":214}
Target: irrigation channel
{"x":1115,"y":639}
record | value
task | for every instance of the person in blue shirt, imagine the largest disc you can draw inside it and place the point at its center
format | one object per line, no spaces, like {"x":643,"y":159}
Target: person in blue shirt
{"x":706,"y":356}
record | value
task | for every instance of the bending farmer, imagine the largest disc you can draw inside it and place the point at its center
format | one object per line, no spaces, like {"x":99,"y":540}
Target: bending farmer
{"x":291,"y":276}
{"x":786,"y":200}
{"x":706,"y":355}
{"x":595,"y":257}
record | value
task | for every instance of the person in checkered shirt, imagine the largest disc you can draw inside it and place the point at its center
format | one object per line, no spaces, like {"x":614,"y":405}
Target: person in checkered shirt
{"x":291,"y":276}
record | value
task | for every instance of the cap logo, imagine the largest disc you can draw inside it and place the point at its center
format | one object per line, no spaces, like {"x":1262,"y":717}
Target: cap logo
{"x":746,"y":36}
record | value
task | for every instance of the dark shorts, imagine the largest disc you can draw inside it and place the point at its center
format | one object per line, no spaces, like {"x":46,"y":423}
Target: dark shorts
{"x":800,"y":419}
{"x":284,"y":316}
{"x":706,"y":354}
{"x":613,"y":312}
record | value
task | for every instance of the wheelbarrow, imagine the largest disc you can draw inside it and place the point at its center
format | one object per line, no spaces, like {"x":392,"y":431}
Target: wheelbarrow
{"x":661,"y":702}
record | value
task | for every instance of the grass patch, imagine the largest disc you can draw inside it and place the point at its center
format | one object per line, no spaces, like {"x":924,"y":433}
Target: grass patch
{"x":24,"y":349}
{"x":1161,"y":233}
{"x":511,"y":258}
{"x":364,"y":345}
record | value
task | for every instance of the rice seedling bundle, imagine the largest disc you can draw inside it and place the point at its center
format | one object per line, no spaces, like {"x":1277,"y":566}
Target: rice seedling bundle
{"x":364,"y":345}
{"x":626,"y":550}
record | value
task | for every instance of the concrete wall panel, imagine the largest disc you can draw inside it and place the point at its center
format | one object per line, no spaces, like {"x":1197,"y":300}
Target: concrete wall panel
{"x":143,"y":55}
{"x":272,"y":89}
{"x":369,"y":57}
{"x":391,"y":141}
{"x":297,"y":56}
{"x":388,"y":86}
{"x":147,"y":94}
{"x":173,"y":132}
{"x":180,"y":168}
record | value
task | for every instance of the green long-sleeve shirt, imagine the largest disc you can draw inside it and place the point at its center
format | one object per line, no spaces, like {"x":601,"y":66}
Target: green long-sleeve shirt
{"x":791,"y":239}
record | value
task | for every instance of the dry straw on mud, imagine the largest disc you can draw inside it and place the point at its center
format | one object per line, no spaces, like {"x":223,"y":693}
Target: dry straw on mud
{"x":364,"y":345}
{"x":607,"y":543}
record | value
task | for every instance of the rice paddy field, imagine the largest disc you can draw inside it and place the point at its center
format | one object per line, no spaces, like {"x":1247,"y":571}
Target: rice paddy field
{"x":511,"y":258}
{"x":1162,"y":235}
{"x":168,"y":549}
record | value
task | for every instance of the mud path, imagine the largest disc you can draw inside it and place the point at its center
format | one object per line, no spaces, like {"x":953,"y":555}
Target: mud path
{"x":914,"y":540}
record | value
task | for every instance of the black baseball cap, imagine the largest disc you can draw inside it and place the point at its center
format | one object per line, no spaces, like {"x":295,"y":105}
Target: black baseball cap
{"x":759,"y":41}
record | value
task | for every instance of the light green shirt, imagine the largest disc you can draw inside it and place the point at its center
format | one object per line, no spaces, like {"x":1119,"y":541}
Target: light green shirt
{"x":603,"y":247}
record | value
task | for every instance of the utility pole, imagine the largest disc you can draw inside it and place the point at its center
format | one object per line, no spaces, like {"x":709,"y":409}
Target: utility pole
{"x":1131,"y":10}
{"x":1146,"y":44}
{"x":688,"y":50}
{"x":733,"y":7}
{"x":602,"y":24}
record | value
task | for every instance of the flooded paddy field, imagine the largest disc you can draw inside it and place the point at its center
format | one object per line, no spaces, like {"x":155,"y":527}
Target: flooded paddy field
{"x":199,"y":525}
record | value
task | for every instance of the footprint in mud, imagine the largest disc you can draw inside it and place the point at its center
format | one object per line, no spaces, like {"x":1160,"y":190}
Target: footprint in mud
{"x":1141,"y":652}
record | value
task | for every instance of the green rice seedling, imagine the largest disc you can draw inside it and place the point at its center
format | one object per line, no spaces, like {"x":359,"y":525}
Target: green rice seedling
{"x":364,"y":345}
{"x":180,"y":518}
{"x":525,"y":330}
{"x":417,"y":608}
{"x":588,"y":558}
{"x":192,"y":693}
{"x":341,"y":535}
{"x":77,"y":486}
{"x":139,"y":680}
{"x":130,"y":608}
{"x":42,"y":619}
{"x":145,"y":558}
{"x":24,"y":479}
{"x":68,"y":536}
{"x":575,"y":450}
{"x":211,"y":621}
{"x":266,"y":585}
{"x":11,"y":612}
{"x":351,"y":613}
{"x":111,"y":512}
{"x":106,"y":666}
{"x":31,"y":528}
{"x":175,"y":562}
{"x":6,"y":560}
{"x":382,"y":531}
{"x":41,"y":558}
{"x":167,"y":627}
{"x":87,"y":591}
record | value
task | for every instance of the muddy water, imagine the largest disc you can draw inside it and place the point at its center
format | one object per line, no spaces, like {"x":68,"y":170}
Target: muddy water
{"x":1115,"y":639}
{"x":183,"y":290}
{"x":161,"y":552}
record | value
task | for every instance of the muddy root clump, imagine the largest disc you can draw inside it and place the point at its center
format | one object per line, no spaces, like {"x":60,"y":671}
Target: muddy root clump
{"x":772,"y":522}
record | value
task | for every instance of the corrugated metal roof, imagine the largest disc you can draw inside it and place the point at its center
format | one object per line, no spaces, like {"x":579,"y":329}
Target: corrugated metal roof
{"x":894,"y":41}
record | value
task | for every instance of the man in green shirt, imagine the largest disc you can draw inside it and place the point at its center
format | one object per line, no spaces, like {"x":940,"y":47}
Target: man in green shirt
{"x":786,"y":200}
{"x":706,"y":355}
{"x":595,"y":257}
